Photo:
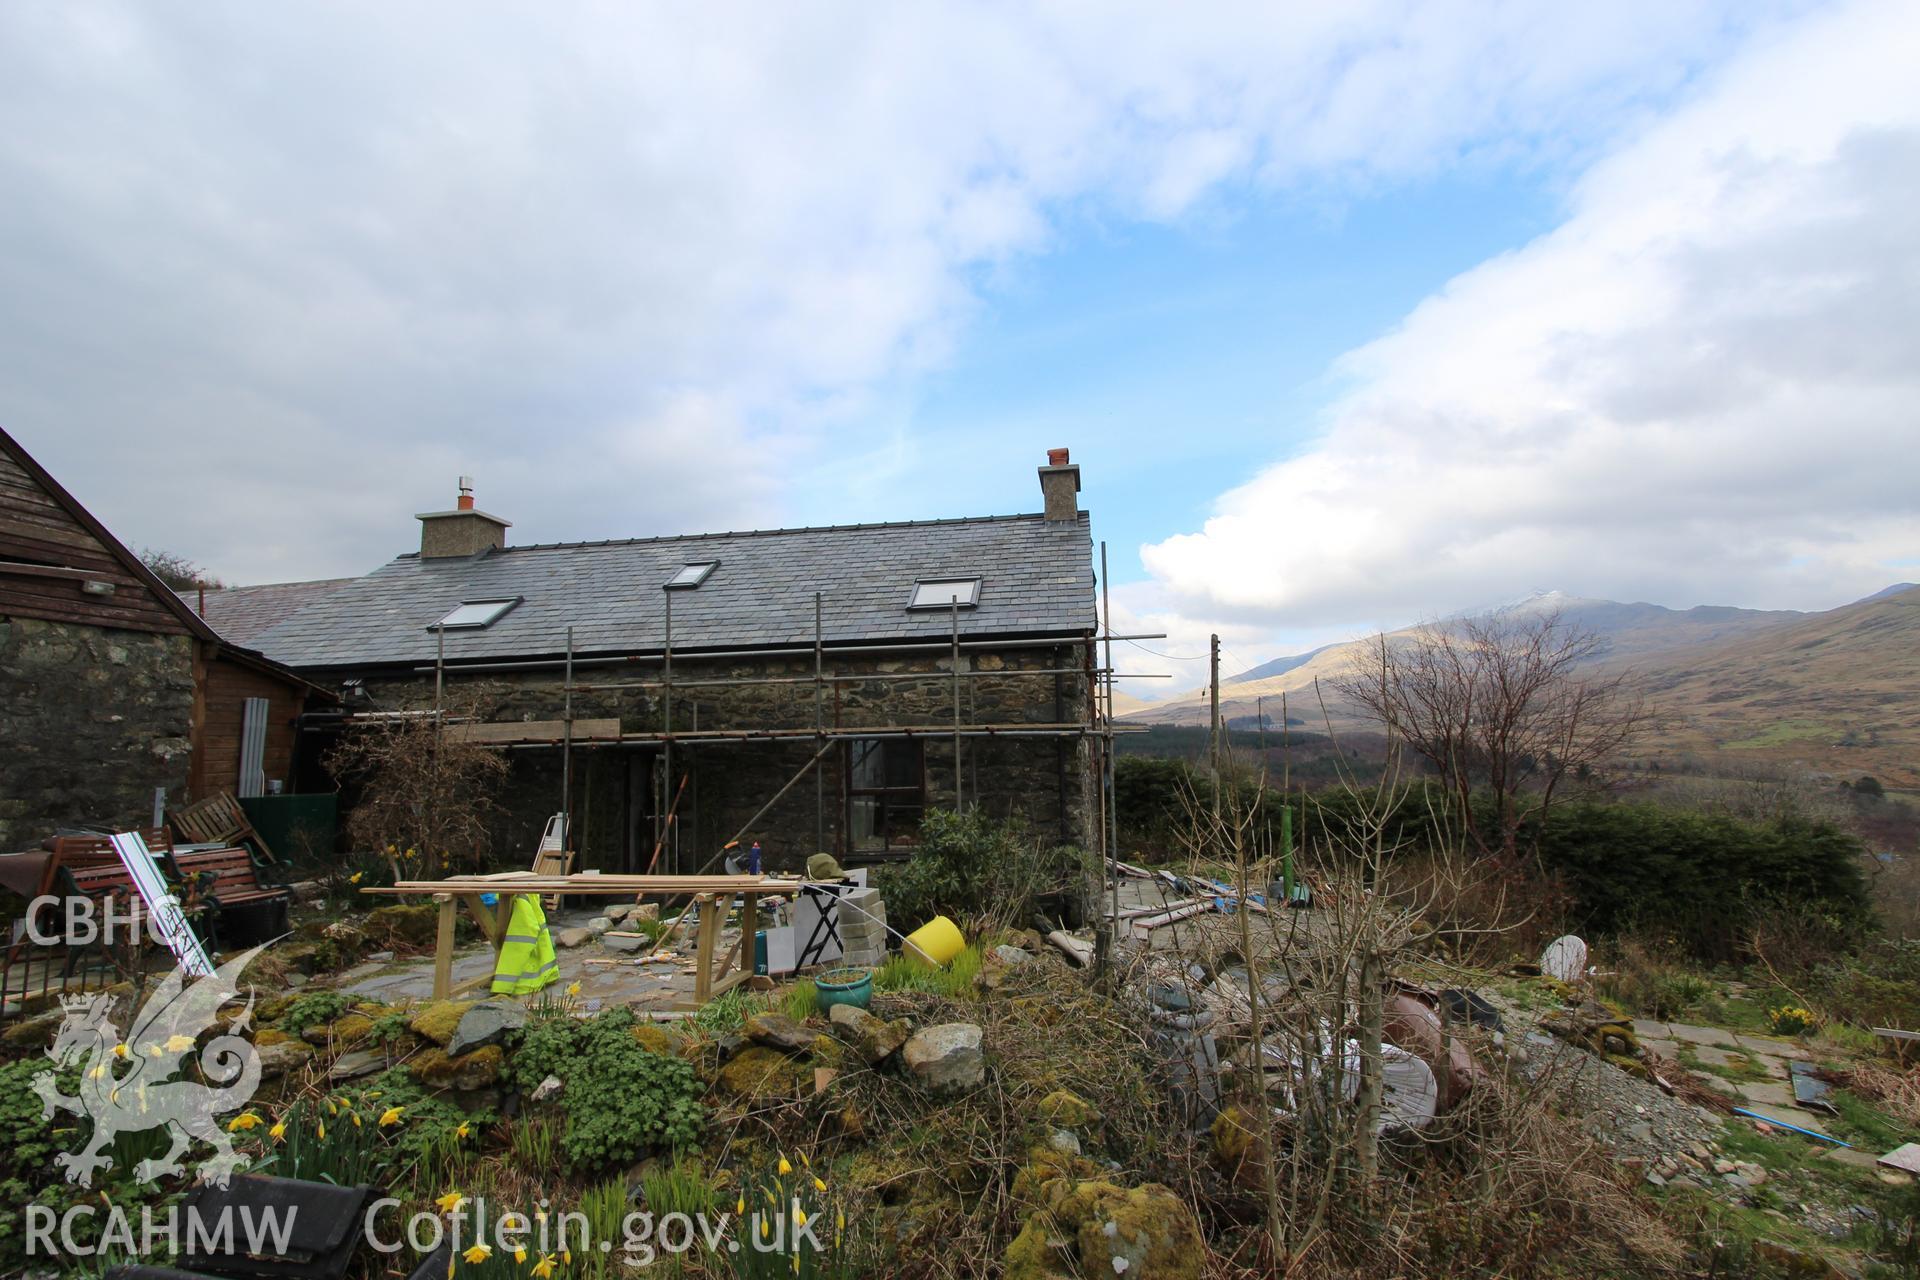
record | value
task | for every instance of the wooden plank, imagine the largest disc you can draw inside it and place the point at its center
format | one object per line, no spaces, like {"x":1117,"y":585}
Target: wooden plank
{"x":443,"y":949}
{"x":506,"y":731}
{"x":709,"y":934}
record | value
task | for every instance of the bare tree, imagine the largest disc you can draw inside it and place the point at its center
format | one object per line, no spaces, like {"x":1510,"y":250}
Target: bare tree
{"x":1502,"y":704}
{"x":426,"y":787}
{"x":178,"y":572}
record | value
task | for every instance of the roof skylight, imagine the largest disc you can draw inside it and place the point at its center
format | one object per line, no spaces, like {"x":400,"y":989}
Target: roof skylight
{"x":472,"y":615}
{"x":692,"y":575}
{"x":945,"y":593}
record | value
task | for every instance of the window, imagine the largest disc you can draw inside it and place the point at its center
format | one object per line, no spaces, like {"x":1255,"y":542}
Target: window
{"x":886,"y":793}
{"x":943,"y":593}
{"x":692,"y":576}
{"x":475,"y":614}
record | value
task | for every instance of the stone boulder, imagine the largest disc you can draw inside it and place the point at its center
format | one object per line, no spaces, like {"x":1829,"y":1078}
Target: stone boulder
{"x":777,"y":1031}
{"x":488,"y":1022}
{"x":405,"y":924}
{"x":946,"y":1059}
{"x":568,"y":938}
{"x":874,"y":1039}
{"x":476,"y":1070}
{"x":278,"y":1059}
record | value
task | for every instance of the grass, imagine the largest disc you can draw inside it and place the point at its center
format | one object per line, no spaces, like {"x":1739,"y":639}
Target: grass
{"x":1781,"y":733}
{"x":801,"y":1000}
{"x":1863,"y":1124}
{"x":909,"y":973}
{"x":1740,"y":1068}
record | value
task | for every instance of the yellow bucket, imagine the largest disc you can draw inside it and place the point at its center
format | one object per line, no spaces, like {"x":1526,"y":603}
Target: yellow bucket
{"x":937,"y":942}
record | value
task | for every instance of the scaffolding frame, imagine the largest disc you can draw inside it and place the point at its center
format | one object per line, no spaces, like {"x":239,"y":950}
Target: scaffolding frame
{"x":1097,"y":727}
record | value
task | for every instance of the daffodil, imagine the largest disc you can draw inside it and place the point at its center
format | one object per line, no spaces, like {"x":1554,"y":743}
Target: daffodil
{"x":478,"y":1254}
{"x":355,"y":1117}
{"x":451,"y":1202}
{"x":356,"y":877}
{"x":740,"y":1206}
{"x":388,"y":1118}
{"x":278,"y":1131}
{"x":242,"y":1122}
{"x":320,"y":1128}
{"x":177,"y":1043}
{"x":543,"y":1269}
{"x":520,"y":1253}
{"x":573,"y":988}
{"x":805,"y":1161}
{"x":463,"y":1130}
{"x":818,"y":1185}
{"x":783,"y":1168}
{"x":799,"y":1216}
{"x":121,"y":1051}
{"x":98,"y":1073}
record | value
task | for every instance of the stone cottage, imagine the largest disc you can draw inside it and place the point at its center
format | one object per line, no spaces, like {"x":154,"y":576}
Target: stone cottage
{"x":815,"y":689}
{"x":111,"y":688}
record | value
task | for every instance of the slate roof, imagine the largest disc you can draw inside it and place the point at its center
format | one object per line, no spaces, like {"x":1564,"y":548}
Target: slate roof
{"x":1036,"y":578}
{"x":244,"y":614}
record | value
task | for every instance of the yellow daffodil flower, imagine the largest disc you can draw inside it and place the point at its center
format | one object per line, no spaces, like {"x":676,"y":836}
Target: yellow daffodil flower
{"x":98,"y":1073}
{"x":799,"y":1216}
{"x":543,"y":1269}
{"x":355,"y":1117}
{"x":389,"y":1117}
{"x":451,"y":1202}
{"x":520,"y":1253}
{"x":242,"y":1122}
{"x":740,"y":1206}
{"x":178,"y":1043}
{"x":321,"y":1129}
{"x":783,"y":1168}
{"x":818,"y":1185}
{"x":478,"y":1254}
{"x":121,"y":1051}
{"x":573,"y":988}
{"x":462,"y":1131}
{"x":356,"y":877}
{"x":278,"y":1131}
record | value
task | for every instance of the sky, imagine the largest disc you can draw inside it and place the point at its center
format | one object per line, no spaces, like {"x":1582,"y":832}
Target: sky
{"x":1352,"y":315}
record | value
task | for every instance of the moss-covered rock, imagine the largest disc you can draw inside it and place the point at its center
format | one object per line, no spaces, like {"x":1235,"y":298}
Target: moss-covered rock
{"x":404,"y":924}
{"x":1068,"y":1110}
{"x":347,"y":1030}
{"x":266,"y":1037}
{"x":759,"y":1074}
{"x":656,"y":1039}
{"x":37,"y":1032}
{"x":1097,"y":1228}
{"x":477,"y":1070}
{"x":436,"y":1022}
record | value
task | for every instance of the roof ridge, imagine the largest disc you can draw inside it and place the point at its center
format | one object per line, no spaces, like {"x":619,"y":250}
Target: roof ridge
{"x":772,"y":533}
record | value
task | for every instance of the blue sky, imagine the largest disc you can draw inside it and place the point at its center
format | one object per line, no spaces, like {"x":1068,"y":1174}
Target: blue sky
{"x":1221,"y":331}
{"x":1353,"y":315}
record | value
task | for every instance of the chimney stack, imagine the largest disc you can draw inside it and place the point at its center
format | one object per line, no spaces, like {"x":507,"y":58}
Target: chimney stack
{"x":1059,"y":482}
{"x":462,"y":531}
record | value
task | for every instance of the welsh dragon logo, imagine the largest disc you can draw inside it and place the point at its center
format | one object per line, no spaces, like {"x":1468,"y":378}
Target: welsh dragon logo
{"x":127,"y":1082}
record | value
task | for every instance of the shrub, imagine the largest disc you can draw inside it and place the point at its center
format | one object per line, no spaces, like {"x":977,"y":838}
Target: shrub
{"x":619,"y":1099}
{"x":970,"y":866}
{"x":1791,"y":1020}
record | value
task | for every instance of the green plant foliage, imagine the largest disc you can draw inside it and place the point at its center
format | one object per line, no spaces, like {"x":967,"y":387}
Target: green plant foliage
{"x":969,"y":865}
{"x":619,"y":1098}
{"x":313,"y":1008}
{"x":1879,"y":986}
{"x":728,"y":1011}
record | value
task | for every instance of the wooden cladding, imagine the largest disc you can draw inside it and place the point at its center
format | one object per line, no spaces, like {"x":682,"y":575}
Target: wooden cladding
{"x":47,"y":558}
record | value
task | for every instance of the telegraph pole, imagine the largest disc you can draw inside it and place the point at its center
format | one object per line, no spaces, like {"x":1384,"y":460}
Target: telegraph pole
{"x":1213,"y":686}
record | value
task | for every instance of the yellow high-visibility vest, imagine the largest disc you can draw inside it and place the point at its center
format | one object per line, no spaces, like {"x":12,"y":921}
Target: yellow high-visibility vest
{"x":527,"y":960}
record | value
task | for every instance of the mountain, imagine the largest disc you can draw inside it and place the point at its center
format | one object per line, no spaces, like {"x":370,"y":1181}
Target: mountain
{"x":1837,"y":692}
{"x":1628,"y":633}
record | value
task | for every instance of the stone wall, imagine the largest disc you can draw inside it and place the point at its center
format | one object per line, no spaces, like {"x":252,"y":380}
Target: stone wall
{"x":616,"y":789}
{"x":91,"y":721}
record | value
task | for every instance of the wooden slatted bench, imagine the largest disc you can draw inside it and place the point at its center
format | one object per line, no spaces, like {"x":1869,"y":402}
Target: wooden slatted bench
{"x":228,"y":880}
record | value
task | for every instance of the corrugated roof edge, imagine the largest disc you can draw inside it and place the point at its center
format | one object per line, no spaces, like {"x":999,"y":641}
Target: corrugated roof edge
{"x":1084,"y":518}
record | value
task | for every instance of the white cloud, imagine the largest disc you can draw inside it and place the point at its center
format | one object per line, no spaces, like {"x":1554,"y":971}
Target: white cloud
{"x":275,"y":274}
{"x":1700,"y":388}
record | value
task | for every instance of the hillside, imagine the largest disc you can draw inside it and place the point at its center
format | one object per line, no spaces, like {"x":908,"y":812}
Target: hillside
{"x":1634,"y":633}
{"x":1837,"y":692}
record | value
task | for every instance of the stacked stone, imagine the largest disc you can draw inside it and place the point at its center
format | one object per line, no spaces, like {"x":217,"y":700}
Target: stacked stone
{"x":863,"y":929}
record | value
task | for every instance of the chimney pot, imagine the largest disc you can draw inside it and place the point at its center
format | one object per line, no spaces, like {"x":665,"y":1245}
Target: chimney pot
{"x":1059,"y":482}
